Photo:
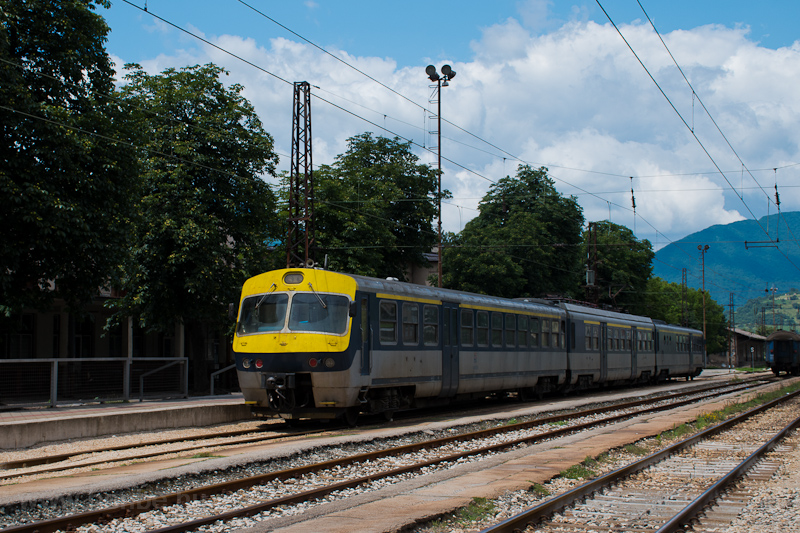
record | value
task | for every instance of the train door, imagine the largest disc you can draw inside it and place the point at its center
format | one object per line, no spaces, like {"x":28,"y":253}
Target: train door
{"x":449,"y":350}
{"x":603,"y":352}
{"x":630,"y":347}
{"x":366,"y":338}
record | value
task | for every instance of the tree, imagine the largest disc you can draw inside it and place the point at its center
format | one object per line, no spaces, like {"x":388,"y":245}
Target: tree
{"x":206,"y":217}
{"x":664,"y":302}
{"x":66,"y":184}
{"x":375,"y":208}
{"x":526,"y":241}
{"x":624,"y":265}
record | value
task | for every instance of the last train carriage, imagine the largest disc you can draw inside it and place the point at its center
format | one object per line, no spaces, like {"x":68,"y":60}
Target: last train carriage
{"x":783,"y":352}
{"x":311,"y":343}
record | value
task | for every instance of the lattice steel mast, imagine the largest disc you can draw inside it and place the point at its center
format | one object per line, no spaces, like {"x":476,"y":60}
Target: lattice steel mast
{"x":300,"y":240}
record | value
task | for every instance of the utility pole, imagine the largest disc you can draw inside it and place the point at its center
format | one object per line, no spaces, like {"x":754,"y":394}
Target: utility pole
{"x":731,"y":333}
{"x":703,"y":250}
{"x":684,"y":310}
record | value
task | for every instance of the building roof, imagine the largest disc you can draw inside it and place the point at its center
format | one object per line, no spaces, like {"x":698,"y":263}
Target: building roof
{"x":748,"y":334}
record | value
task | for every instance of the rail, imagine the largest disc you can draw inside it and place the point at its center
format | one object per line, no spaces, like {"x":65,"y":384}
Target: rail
{"x":556,"y":504}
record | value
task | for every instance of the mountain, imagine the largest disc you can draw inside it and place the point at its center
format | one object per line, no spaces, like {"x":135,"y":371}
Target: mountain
{"x":739,"y":261}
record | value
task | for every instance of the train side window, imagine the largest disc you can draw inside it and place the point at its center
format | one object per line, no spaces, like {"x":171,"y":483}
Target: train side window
{"x":534,"y":332}
{"x":483,"y":328}
{"x":511,"y":330}
{"x":587,"y":336}
{"x":497,"y":329}
{"x":388,"y":322}
{"x":545,"y":333}
{"x":628,"y":340}
{"x":563,"y":335}
{"x":410,"y":323}
{"x":595,"y":337}
{"x":430,"y":325}
{"x":557,"y":336}
{"x":522,"y":331}
{"x":467,"y":331}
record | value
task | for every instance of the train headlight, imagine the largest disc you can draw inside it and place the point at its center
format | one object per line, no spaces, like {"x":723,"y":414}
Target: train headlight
{"x":313,"y":363}
{"x":329,"y":362}
{"x":259,"y":363}
{"x":245,"y":363}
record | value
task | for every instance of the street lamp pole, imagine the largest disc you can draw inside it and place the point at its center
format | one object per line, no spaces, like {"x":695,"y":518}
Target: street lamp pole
{"x":447,"y":74}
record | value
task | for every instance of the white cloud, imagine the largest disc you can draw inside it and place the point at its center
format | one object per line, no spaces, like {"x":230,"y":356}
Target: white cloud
{"x":573,"y":97}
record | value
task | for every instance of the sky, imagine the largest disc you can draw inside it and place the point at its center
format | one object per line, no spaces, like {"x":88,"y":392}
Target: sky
{"x":539,"y":82}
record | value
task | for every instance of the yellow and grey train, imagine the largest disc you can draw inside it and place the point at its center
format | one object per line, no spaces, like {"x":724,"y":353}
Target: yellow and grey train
{"x":311,"y":343}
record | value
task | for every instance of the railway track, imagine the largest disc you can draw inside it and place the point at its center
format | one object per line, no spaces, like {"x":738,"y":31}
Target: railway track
{"x":264,"y":492}
{"x":13,"y":470}
{"x":673,"y":488}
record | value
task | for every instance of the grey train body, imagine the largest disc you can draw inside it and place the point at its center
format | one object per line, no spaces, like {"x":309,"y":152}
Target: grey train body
{"x":409,"y":346}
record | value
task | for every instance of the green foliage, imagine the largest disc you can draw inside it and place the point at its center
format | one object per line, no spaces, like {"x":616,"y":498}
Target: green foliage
{"x":66,"y":186}
{"x":578,"y":471}
{"x":375,"y":208}
{"x":206,"y":216}
{"x":478,"y":509}
{"x":624,"y":266}
{"x":665,"y":302}
{"x":634,"y":449}
{"x":539,"y":490}
{"x":525,"y":241}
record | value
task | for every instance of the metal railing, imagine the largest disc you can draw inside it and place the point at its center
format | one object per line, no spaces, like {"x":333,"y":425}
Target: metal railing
{"x":25,"y":382}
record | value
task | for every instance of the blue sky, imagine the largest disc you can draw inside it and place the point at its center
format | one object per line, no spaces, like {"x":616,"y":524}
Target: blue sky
{"x":538,"y":82}
{"x":413,"y":31}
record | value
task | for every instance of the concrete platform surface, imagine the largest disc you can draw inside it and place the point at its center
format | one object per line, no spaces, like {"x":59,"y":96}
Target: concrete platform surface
{"x":26,"y":427}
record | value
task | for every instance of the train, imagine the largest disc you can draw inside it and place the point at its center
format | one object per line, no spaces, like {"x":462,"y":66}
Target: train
{"x":783,"y":352}
{"x":312,"y":343}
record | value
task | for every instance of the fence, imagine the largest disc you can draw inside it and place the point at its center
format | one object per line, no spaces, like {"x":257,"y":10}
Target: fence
{"x":81,"y":380}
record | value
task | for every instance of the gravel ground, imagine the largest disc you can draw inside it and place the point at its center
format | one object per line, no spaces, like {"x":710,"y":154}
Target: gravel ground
{"x":776,"y":509}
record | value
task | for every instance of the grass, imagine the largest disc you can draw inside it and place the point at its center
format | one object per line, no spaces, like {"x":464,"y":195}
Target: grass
{"x":204,"y":455}
{"x":581,"y":470}
{"x":479,"y":509}
{"x":559,"y":423}
{"x":539,"y":490}
{"x":634,"y":449}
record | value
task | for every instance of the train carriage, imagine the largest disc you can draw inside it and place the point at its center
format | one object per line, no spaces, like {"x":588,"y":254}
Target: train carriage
{"x":316,"y":344}
{"x":783,"y":352}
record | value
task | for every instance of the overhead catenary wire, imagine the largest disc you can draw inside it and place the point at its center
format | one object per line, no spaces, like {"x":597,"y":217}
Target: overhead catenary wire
{"x":383,"y":128}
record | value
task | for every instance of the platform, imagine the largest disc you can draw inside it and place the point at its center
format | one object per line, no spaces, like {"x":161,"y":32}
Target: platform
{"x":25,"y":427}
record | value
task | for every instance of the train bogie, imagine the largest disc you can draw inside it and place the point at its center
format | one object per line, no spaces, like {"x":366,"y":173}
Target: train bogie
{"x":317,"y":344}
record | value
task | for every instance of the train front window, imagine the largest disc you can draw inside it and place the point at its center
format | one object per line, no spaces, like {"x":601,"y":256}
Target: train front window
{"x":265,"y":312}
{"x":319,"y":313}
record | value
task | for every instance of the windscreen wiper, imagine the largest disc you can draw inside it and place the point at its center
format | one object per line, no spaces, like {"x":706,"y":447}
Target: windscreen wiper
{"x":317,"y":295}
{"x":261,"y":301}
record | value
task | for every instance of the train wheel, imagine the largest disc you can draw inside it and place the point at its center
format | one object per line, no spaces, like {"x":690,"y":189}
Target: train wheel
{"x":350,"y":416}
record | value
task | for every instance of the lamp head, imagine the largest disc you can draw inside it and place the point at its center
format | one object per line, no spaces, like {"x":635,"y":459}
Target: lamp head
{"x":430,"y":70}
{"x":448,"y":72}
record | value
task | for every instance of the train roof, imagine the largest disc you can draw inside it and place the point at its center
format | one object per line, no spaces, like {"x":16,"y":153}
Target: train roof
{"x":783,"y":335}
{"x":603,"y":313}
{"x":412,"y":290}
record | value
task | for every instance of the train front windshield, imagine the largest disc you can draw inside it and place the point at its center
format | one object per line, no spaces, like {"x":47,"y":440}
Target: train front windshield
{"x":301,"y":312}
